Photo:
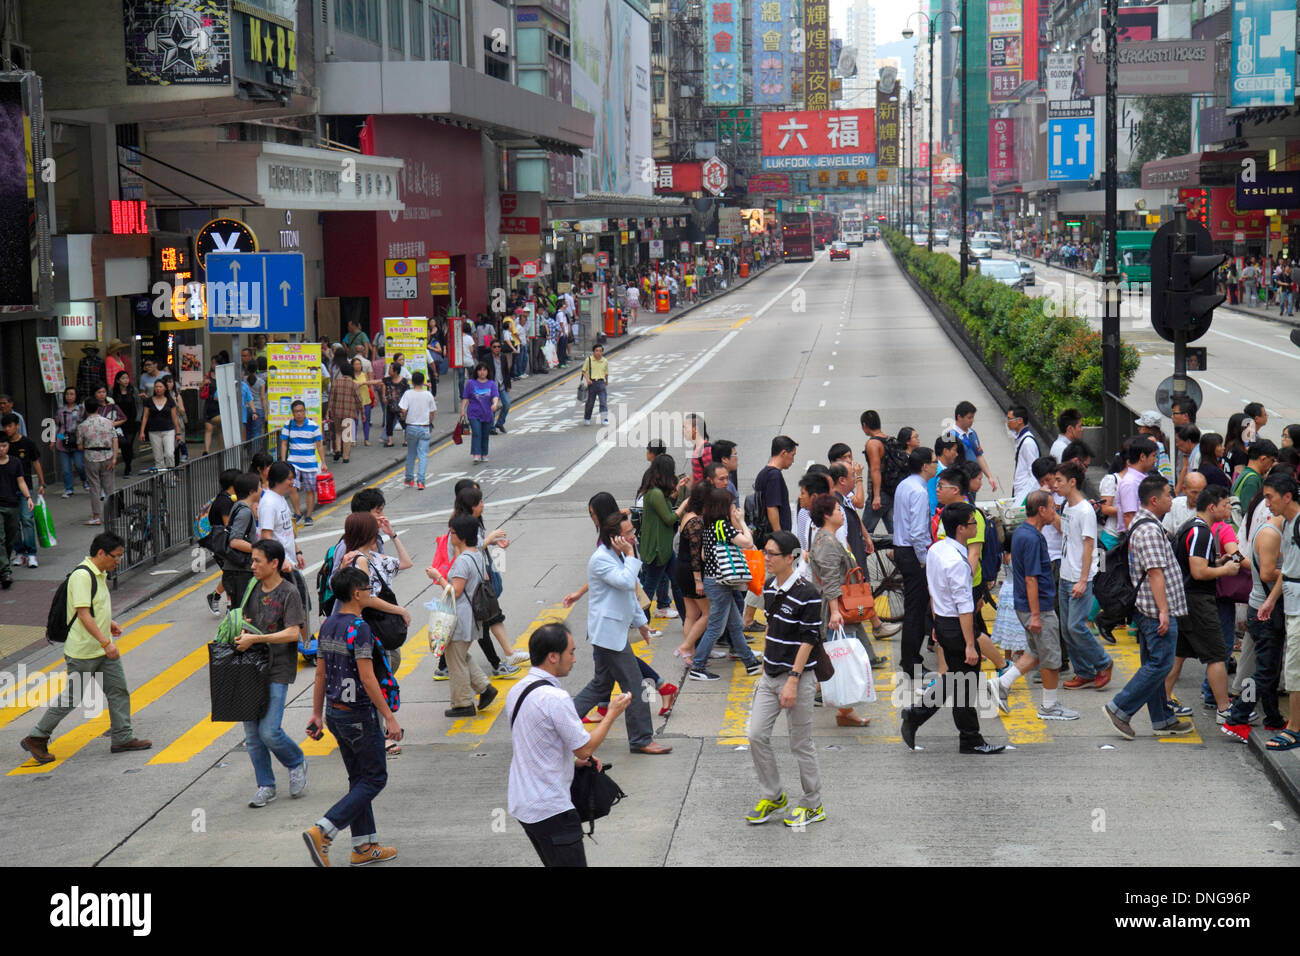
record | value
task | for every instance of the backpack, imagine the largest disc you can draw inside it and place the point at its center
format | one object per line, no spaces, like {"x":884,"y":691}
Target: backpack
{"x":228,"y":557}
{"x":994,"y":547}
{"x":893,"y":464}
{"x":483,"y":602}
{"x":1180,"y":546}
{"x":1113,"y":587}
{"x":57,"y":622}
{"x":756,"y":516}
{"x":383,"y":673}
{"x":635,"y":512}
{"x":324,"y":593}
{"x":203,"y":524}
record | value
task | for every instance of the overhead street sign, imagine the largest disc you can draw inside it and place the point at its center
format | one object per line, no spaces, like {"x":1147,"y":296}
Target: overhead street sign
{"x":256,"y":292}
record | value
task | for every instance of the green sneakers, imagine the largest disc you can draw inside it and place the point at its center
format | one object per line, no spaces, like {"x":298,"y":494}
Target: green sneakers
{"x":802,"y":816}
{"x":765,"y":809}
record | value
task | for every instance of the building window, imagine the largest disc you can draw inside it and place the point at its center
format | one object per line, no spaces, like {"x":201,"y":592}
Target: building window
{"x":494,"y":65}
{"x":358,"y":17}
{"x":444,"y":30}
{"x":658,"y":93}
{"x":417,"y":30}
{"x":396,"y":28}
{"x":343,"y":16}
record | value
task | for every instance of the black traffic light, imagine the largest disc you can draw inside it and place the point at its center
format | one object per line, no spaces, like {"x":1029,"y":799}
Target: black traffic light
{"x":1192,"y":295}
{"x":1295,"y":337}
{"x":1183,"y":294}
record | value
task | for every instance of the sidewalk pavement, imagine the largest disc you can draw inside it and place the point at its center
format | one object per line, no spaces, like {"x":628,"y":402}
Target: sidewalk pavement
{"x":23,"y":608}
{"x":1255,"y":312}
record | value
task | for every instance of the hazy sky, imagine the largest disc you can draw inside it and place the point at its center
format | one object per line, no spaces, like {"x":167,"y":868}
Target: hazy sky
{"x":891,"y":17}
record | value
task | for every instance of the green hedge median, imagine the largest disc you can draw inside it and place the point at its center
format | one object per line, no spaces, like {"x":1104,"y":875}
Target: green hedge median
{"x":1050,"y":362}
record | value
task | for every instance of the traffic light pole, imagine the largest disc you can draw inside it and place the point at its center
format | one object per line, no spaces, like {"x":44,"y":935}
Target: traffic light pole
{"x":1180,"y":333}
{"x":1114,"y":416}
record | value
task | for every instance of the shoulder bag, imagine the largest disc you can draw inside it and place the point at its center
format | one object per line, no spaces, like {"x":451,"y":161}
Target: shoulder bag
{"x":857,"y":603}
{"x":483,"y":602}
{"x":733,"y":569}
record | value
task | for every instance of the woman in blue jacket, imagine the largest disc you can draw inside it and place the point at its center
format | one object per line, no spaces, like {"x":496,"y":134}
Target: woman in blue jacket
{"x":612,"y":609}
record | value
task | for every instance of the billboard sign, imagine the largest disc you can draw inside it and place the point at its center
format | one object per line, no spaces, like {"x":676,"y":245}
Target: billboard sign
{"x":1263,"y":53}
{"x":887,"y":118}
{"x":678,"y":178}
{"x":819,"y":139}
{"x":1156,"y":67}
{"x":771,"y":56}
{"x":1002,"y":151}
{"x":1065,"y":95}
{"x":1006,"y":48}
{"x":1280,"y":190}
{"x":817,"y":54}
{"x":722,"y":45}
{"x":610,"y":78}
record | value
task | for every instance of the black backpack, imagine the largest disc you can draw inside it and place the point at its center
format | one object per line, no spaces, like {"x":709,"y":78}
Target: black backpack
{"x":756,"y":515}
{"x":593,"y":791}
{"x":57,"y":622}
{"x":1113,"y":587}
{"x":991,"y":552}
{"x":893,"y":464}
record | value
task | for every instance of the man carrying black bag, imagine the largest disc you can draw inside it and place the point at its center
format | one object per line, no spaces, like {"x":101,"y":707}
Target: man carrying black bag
{"x":275,"y":610}
{"x":548,"y":737}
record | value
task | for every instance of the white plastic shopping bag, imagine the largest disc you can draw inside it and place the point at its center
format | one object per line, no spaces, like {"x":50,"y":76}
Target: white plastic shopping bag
{"x":852,"y":683}
{"x":442,"y":621}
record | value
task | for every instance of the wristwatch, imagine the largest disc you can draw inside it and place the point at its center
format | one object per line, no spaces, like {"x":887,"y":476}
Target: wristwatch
{"x":795,"y":674}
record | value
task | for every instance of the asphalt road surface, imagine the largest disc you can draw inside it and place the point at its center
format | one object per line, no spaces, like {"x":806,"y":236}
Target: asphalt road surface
{"x":801,"y":350}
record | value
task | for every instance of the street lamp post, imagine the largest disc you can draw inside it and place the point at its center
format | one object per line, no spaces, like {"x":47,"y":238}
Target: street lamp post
{"x":965,"y":249}
{"x":911,"y":146}
{"x":957,"y":30}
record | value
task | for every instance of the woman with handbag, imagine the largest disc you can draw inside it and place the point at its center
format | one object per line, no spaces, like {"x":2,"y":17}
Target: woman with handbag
{"x":124,"y":397}
{"x":345,"y":406}
{"x":394,"y":387}
{"x":830,"y":563}
{"x":690,"y":570}
{"x":388,"y":620}
{"x":469,"y":501}
{"x":67,"y":418}
{"x":725,"y":536}
{"x":468,"y":572}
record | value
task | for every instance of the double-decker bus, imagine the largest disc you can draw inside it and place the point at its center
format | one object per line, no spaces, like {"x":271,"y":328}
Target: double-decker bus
{"x":796,"y":236}
{"x":851,"y":226}
{"x":824,"y":228}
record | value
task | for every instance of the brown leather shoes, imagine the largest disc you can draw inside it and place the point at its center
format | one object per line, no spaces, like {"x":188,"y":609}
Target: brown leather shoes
{"x":1075,"y":682}
{"x":653,"y":749}
{"x":36,"y":747}
{"x":1103,"y":677}
{"x":134,"y":744}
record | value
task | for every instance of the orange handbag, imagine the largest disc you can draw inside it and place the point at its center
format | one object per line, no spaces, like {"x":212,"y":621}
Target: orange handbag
{"x":856,"y":601}
{"x":757,"y":570}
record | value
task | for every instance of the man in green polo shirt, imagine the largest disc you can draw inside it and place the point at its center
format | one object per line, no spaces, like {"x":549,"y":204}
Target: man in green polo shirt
{"x":90,"y":650}
{"x":1261,"y":456}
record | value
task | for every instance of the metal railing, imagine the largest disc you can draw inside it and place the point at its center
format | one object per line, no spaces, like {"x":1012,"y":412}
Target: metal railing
{"x":155,"y":515}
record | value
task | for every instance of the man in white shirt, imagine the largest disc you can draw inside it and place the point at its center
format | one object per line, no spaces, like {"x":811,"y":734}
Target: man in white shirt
{"x":1027,"y":452}
{"x":1070,"y":425}
{"x":1079,"y":562}
{"x":948,"y":578}
{"x":549,"y":741}
{"x":465,"y":360}
{"x":417,"y":407}
{"x":1184,"y":508}
{"x":275,"y":520}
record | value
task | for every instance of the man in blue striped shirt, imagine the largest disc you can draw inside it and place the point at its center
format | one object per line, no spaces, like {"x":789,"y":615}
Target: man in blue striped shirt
{"x":300,"y":442}
{"x":911,"y":541}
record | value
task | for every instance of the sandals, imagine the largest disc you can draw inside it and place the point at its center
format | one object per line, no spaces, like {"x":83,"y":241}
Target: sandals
{"x":393,"y":749}
{"x":1285,"y":740}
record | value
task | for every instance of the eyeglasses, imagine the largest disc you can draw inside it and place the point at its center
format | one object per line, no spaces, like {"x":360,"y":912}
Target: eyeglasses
{"x":775,"y":554}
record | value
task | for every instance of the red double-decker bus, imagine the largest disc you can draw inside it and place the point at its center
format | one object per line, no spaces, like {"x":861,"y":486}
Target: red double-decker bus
{"x":826,"y":227}
{"x":796,"y":236}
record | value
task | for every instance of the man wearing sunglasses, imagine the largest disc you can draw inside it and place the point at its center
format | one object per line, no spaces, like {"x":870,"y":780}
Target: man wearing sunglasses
{"x":794,"y":608}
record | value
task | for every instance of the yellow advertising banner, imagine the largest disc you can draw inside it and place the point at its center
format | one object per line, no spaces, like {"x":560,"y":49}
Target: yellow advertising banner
{"x":292,"y":372}
{"x":410,"y":337}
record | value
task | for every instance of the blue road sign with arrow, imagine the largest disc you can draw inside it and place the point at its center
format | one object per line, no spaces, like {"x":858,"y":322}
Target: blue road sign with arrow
{"x":256,"y":292}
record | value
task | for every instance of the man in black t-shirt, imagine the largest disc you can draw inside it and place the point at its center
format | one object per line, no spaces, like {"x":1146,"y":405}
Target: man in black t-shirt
{"x":1199,"y":632}
{"x":13,"y":492}
{"x":219,"y":516}
{"x":774,"y":505}
{"x":25,"y":450}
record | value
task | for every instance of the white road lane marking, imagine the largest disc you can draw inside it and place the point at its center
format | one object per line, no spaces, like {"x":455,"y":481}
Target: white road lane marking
{"x":1267,"y":348}
{"x":1206,"y":381}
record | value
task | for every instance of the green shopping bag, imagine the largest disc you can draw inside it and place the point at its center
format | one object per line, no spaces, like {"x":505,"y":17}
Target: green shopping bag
{"x":44,"y":524}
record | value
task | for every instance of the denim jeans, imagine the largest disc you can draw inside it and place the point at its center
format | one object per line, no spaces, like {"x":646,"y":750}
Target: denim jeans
{"x":871,"y":517}
{"x":1086,"y":653}
{"x":27,"y":520}
{"x":722,"y":613}
{"x":360,"y":736}
{"x":417,"y":451}
{"x":521,"y":362}
{"x":505,"y":408}
{"x":478,"y":442}
{"x":596,"y":390}
{"x":655,"y":577}
{"x":1285,"y":302}
{"x":1147,"y":686}
{"x":265,"y":737}
{"x":72,"y":463}
{"x":1270,"y":638}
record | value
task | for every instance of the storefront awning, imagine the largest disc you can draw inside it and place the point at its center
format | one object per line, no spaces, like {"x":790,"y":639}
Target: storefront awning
{"x":184,"y":173}
{"x":445,"y":91}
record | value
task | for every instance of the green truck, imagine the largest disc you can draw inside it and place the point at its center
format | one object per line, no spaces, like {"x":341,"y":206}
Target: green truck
{"x":1133,"y":247}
